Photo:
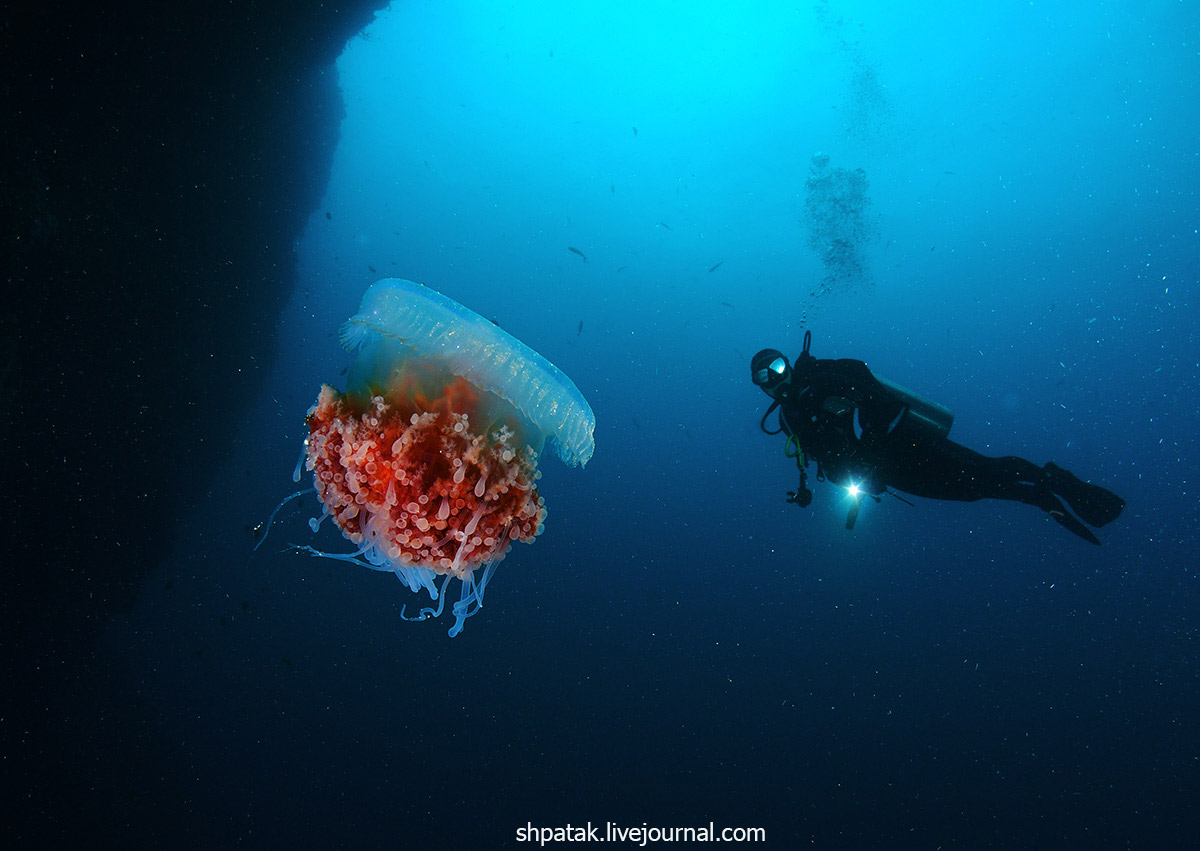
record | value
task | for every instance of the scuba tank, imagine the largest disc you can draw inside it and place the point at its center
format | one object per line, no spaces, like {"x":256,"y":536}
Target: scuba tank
{"x":922,"y":419}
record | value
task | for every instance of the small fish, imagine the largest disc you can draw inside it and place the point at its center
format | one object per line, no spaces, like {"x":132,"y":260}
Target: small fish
{"x":715,"y":268}
{"x":727,"y":304}
{"x":575,"y":250}
{"x":372,"y":268}
{"x":328,"y":214}
{"x":664,"y":225}
{"x":634,"y":131}
{"x":636,"y":424}
{"x":580,"y":331}
{"x":622,"y":268}
{"x":612,"y":187}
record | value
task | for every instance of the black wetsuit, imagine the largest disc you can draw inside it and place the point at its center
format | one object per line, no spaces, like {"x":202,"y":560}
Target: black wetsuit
{"x":860,"y":432}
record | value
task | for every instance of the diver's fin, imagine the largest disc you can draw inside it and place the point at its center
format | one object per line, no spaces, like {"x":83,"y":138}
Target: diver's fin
{"x":1069,"y":522}
{"x":1095,"y":505}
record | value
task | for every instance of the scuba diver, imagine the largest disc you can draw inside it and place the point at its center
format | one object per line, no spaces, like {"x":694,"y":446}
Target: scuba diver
{"x":872,"y":437}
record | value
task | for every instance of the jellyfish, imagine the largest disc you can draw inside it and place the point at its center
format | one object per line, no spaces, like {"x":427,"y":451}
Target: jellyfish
{"x":428,"y":463}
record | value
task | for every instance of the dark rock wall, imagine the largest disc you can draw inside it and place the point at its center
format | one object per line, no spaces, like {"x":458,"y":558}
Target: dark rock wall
{"x":157,"y":165}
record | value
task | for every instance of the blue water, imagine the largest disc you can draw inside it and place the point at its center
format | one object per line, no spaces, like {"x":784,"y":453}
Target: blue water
{"x":680,"y":645}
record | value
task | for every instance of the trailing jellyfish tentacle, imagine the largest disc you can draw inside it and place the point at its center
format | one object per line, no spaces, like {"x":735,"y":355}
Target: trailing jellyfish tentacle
{"x":472,"y":593}
{"x":429,"y":612}
{"x":314,"y":523}
{"x":353,"y":558}
{"x":300,"y":461}
{"x":271,"y":519}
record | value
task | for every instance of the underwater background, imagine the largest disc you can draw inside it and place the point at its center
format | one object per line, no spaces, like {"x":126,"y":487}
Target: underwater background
{"x":996,"y":208}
